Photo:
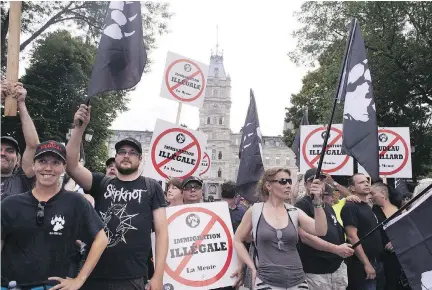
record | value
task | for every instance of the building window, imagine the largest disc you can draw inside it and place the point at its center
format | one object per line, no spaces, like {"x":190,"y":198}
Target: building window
{"x":214,"y":154}
{"x":287,"y":161}
{"x":277,"y":161}
{"x":216,"y":71}
{"x":267,"y":161}
{"x":221,"y":121}
{"x":214,"y":120}
{"x":220,"y":173}
{"x":148,"y":138}
{"x":214,"y":135}
{"x":208,"y":120}
{"x":220,"y":155}
{"x":215,"y":93}
{"x":277,"y":143}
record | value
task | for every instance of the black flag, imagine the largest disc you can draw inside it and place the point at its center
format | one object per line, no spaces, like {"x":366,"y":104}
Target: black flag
{"x":360,"y":131}
{"x":411,"y":238}
{"x":121,"y":56}
{"x":251,"y":166}
{"x":296,"y":144}
{"x":401,"y":186}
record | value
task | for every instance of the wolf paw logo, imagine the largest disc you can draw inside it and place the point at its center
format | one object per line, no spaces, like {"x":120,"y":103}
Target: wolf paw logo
{"x":358,"y":89}
{"x":192,"y":220}
{"x":58,"y":223}
{"x":120,"y":20}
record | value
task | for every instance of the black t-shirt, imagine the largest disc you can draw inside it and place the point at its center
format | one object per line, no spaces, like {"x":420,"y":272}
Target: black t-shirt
{"x":126,"y":209}
{"x":32,"y":252}
{"x":236,"y":215}
{"x":361,"y":216}
{"x":315,"y":261}
{"x":16,"y":183}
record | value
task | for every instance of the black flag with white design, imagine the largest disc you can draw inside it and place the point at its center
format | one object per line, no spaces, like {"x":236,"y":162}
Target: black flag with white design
{"x":360,"y":131}
{"x":121,"y":56}
{"x":251,"y":166}
{"x":411,"y":238}
{"x":296,"y":144}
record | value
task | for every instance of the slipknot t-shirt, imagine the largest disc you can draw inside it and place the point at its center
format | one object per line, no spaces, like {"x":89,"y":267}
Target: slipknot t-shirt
{"x":126,"y":209}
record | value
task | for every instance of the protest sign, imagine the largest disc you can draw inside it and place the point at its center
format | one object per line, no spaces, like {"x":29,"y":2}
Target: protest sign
{"x":205,"y":165}
{"x":200,"y":253}
{"x":174,"y":151}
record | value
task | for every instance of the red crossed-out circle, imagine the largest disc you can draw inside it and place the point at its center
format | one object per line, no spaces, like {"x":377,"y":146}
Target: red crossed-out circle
{"x":171,"y":89}
{"x":175,"y":274}
{"x":208,"y":166}
{"x":331,"y":142}
{"x":398,"y":138}
{"x":187,"y":147}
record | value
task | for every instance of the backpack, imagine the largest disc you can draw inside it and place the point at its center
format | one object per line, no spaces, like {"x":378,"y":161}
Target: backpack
{"x":148,"y":182}
{"x":257,"y":209}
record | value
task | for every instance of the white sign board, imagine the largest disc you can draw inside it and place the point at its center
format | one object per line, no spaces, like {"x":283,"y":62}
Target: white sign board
{"x":184,"y":80}
{"x":200,"y":253}
{"x":174,"y":151}
{"x":311,"y":140}
{"x":394,"y":153}
{"x":205,"y":164}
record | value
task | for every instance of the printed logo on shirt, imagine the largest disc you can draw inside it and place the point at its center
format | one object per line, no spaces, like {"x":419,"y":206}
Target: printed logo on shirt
{"x":120,"y":222}
{"x":334,"y":220}
{"x":123,"y":194}
{"x":58,"y":224}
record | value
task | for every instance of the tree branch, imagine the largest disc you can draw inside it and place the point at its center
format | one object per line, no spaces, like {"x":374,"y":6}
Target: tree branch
{"x":51,"y":21}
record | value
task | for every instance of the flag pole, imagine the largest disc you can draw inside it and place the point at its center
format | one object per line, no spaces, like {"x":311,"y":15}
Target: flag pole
{"x":178,"y":113}
{"x":327,"y":135}
{"x":399,"y":211}
{"x":12,"y":67}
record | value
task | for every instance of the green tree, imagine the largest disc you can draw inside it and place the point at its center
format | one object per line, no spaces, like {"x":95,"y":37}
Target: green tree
{"x":39,"y":17}
{"x":56,"y":82}
{"x":398,"y":38}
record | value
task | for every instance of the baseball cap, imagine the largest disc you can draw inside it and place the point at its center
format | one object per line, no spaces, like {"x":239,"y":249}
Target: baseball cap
{"x":310,"y":173}
{"x":12,"y":141}
{"x":131,"y":142}
{"x":109,"y":161}
{"x":53,"y":147}
{"x":190,"y":179}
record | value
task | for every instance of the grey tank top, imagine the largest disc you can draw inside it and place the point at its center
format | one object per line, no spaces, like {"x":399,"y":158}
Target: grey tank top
{"x":279,"y":268}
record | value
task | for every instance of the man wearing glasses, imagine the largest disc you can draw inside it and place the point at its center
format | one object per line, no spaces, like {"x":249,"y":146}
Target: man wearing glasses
{"x":129,"y":206}
{"x":39,"y":229}
{"x":192,"y":190}
{"x":322,"y":257}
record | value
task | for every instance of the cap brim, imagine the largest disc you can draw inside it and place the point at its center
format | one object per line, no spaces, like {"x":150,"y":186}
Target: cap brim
{"x":192,"y":180}
{"x":127,"y":142}
{"x":50,"y":151}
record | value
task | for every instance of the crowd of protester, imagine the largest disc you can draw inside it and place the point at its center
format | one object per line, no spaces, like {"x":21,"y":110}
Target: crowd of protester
{"x":64,"y":227}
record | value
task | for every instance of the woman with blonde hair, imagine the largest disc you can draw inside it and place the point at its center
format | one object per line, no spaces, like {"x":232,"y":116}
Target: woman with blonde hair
{"x":174,"y":191}
{"x":274,"y":225}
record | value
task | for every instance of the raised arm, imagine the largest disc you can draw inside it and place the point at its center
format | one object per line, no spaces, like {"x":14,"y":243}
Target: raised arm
{"x":29,"y":131}
{"x":317,"y":226}
{"x":161,"y":251}
{"x":79,"y":173}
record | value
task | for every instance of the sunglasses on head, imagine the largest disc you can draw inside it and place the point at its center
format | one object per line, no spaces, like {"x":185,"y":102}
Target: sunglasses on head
{"x":282,"y":181}
{"x":40,"y":215}
{"x":321,"y":177}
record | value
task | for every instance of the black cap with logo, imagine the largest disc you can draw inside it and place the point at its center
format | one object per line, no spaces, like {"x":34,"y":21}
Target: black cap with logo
{"x":191,"y":179}
{"x":53,"y":147}
{"x":12,"y":141}
{"x":131,"y":142}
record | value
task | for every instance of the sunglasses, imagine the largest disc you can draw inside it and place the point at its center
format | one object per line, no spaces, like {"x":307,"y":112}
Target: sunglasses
{"x":190,"y":187}
{"x":40,"y":215}
{"x":280,"y":242}
{"x":282,"y":181}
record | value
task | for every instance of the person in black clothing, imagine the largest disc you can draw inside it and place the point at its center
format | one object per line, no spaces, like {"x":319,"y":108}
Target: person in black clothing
{"x":14,"y":178}
{"x":383,"y":208}
{"x":236,"y":209}
{"x":322,"y":257}
{"x":39,"y":228}
{"x":365,"y":269}
{"x":129,"y":206}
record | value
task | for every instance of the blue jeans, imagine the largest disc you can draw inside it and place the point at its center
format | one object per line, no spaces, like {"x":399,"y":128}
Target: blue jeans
{"x":379,"y":282}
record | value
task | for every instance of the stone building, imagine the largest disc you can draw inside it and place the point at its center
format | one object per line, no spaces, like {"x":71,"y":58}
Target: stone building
{"x":214,"y":120}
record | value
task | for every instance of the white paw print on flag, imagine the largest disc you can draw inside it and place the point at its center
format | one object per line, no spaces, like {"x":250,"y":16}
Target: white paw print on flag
{"x":120,"y":20}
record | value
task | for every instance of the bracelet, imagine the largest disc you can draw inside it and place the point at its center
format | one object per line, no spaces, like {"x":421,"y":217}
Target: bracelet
{"x":318,"y":205}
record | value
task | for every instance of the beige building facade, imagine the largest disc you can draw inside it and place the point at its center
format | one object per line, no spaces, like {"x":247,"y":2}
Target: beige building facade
{"x":223,"y":144}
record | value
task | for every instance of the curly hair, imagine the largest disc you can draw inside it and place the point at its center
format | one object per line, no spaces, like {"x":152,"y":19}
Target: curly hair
{"x":268,"y":175}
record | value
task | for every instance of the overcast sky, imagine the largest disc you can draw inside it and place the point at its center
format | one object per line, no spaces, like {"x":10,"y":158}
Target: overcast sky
{"x":255,"y":37}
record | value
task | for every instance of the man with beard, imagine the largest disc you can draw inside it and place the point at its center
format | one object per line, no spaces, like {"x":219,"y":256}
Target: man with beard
{"x":128,"y":204}
{"x":16,"y":179}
